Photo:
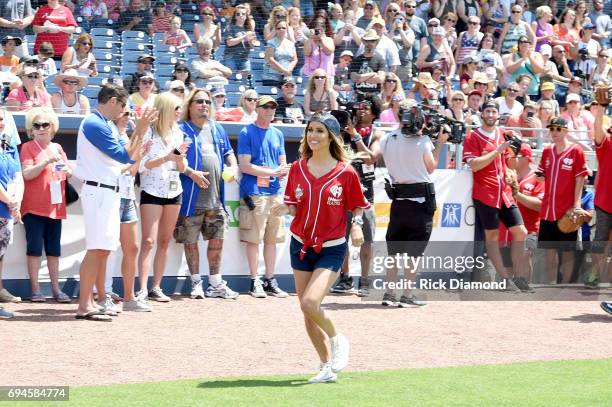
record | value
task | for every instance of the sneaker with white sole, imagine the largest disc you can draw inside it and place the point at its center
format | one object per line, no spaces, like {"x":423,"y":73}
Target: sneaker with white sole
{"x":197,"y":292}
{"x":340,"y":349}
{"x":136,"y":306}
{"x":108,"y":307}
{"x":158,"y":295}
{"x":257,"y":289}
{"x":221,"y":291}
{"x":270,"y":286}
{"x":510,"y":286}
{"x":4,"y":314}
{"x":406,"y":302}
{"x":325,"y":374}
{"x":142,"y":295}
{"x":5,"y":296}
{"x":606,"y":306}
{"x":389,"y":300}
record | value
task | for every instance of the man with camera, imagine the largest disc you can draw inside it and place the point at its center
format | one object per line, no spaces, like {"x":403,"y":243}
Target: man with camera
{"x":410,"y":158}
{"x":489,"y":155}
{"x":364,"y":142}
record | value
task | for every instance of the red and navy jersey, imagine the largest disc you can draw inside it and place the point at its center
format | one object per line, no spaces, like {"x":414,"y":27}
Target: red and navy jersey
{"x":603,"y":185}
{"x":321,"y":203}
{"x":560,"y":172}
{"x":490,"y":185}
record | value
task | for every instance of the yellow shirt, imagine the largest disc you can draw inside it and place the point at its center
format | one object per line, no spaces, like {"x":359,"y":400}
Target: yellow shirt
{"x":11,"y":63}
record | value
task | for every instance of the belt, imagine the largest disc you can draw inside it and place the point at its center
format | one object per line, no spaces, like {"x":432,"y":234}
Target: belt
{"x":101,"y":185}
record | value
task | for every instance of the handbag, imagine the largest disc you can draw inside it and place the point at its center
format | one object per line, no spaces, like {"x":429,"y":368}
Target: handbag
{"x":71,"y":194}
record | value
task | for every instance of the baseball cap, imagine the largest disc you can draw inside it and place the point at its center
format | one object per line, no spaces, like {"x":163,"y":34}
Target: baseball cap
{"x":347,"y":53}
{"x":329,"y":121}
{"x":217,"y":90}
{"x":588,"y":26}
{"x":10,"y":37}
{"x":475,"y":92}
{"x":176,"y":84}
{"x":264,"y":100}
{"x":490,"y":104}
{"x":525,"y":151}
{"x":545,"y":49}
{"x":29,"y":59}
{"x":146,"y":74}
{"x":144,"y":57}
{"x":557,"y":122}
{"x":288,"y":79}
{"x":547,"y":86}
{"x":433,"y":20}
{"x":29,"y":70}
{"x":576,"y":79}
{"x":572,"y":97}
{"x":438,"y":31}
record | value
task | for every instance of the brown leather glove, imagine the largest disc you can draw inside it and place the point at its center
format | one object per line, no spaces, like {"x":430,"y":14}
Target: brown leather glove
{"x":573,"y":219}
{"x":603,"y":94}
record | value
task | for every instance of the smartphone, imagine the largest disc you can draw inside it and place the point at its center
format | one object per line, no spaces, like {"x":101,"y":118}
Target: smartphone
{"x":177,"y":151}
{"x":530,"y":114}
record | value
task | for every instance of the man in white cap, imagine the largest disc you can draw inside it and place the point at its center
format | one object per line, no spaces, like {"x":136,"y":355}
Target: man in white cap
{"x":385,"y":47}
{"x":364,"y":22}
{"x":368,"y":69}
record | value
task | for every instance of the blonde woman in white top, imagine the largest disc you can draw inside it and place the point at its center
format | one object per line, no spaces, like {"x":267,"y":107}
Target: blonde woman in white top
{"x":161,"y":192}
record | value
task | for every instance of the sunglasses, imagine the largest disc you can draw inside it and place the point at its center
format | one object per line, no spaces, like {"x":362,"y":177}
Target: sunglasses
{"x":390,"y":81}
{"x":281,"y":16}
{"x":281,"y":28}
{"x":207,"y":14}
{"x":85,"y":43}
{"x":433,"y":25}
{"x":33,"y":76}
{"x":474,"y":23}
{"x":39,"y":126}
{"x":268,"y":107}
{"x":201,"y":101}
{"x":240,"y":14}
{"x":457,"y":100}
{"x":146,"y":82}
{"x":409,"y":6}
{"x":556,"y":128}
{"x":179,"y":90}
{"x":69,"y":82}
{"x":394,"y":11}
{"x":319,"y":77}
{"x":251,"y":99}
{"x":289,"y":85}
{"x":516,"y":12}
{"x":524,"y":42}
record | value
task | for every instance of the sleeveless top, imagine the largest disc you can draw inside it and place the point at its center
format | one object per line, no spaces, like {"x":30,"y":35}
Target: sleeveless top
{"x":318,"y":59}
{"x":471,"y":9}
{"x":65,"y":109}
{"x":283,"y":54}
{"x":83,"y":68}
{"x":323,"y":105}
{"x":526,"y":69}
{"x":468,"y":45}
{"x":436,"y":53}
{"x":498,"y":13}
{"x":511,"y":39}
{"x":541,"y":31}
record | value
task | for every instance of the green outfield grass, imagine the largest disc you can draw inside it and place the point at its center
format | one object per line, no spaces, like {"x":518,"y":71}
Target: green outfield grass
{"x":565,"y":383}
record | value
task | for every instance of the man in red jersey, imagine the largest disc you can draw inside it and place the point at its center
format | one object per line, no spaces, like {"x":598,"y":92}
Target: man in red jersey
{"x":603,"y":194}
{"x":563,"y":168}
{"x":488,"y":154}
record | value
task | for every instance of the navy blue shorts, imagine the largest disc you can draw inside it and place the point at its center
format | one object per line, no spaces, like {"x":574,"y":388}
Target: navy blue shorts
{"x":42,"y":231}
{"x":330,"y":258}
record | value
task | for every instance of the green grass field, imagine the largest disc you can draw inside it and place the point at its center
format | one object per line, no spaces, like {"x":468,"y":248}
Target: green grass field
{"x":548,"y":384}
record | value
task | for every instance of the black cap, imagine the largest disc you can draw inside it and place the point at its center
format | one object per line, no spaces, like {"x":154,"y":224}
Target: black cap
{"x":10,"y":37}
{"x":145,"y":56}
{"x":490,"y":103}
{"x":288,"y":79}
{"x":557,"y":122}
{"x":29,"y":59}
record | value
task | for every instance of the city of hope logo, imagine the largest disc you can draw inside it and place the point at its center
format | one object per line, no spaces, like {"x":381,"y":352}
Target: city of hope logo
{"x":451,"y":215}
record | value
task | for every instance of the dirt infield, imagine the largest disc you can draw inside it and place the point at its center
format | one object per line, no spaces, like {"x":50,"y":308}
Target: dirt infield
{"x":45,"y":345}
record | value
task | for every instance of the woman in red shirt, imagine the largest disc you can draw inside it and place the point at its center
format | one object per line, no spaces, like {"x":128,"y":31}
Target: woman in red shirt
{"x":45,"y":171}
{"x":54,"y":23}
{"x":321,"y":188}
{"x":30,"y":94}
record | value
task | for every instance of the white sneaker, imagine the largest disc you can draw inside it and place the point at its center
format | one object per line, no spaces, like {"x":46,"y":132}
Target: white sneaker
{"x":340,"y":348}
{"x":257,"y":289}
{"x":221,"y":291}
{"x":108,"y":307}
{"x":325,"y":374}
{"x":196,"y":290}
{"x":136,"y":306}
{"x":158,"y":295}
{"x":142,"y":295}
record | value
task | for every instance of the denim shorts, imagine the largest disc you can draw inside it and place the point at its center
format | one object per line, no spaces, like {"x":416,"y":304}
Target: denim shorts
{"x":330,"y":258}
{"x":127,"y":211}
{"x":237,"y":64}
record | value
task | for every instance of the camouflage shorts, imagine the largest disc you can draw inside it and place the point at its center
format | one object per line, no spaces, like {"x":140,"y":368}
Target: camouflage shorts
{"x":210,"y":222}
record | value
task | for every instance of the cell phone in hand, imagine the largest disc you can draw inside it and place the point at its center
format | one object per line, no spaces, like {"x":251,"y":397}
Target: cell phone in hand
{"x":177,"y":151}
{"x":530,"y":115}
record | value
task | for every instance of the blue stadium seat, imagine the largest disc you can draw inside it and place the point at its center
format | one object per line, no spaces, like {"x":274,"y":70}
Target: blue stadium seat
{"x":189,"y":8}
{"x":165,"y":59}
{"x":160,"y":48}
{"x":164,"y":70}
{"x":134,"y":45}
{"x":188,"y":21}
{"x":91,"y":91}
{"x":158,"y":38}
{"x":108,"y":33}
{"x":267,"y":90}
{"x":134,"y":35}
{"x":102,"y":55}
{"x":235,"y":87}
{"x":97,"y":80}
{"x":232,"y":99}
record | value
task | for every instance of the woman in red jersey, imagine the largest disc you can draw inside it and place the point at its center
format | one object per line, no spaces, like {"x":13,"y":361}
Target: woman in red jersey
{"x":321,"y":187}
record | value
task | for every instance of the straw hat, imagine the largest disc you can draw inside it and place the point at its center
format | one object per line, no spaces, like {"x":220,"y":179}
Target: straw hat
{"x":425,"y":79}
{"x":480,"y":77}
{"x":70,"y":74}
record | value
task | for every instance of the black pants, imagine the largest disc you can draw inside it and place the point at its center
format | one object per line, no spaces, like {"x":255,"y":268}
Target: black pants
{"x":409,"y":230}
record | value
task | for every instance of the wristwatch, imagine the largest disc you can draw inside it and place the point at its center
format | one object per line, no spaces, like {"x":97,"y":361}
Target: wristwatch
{"x":358,"y":220}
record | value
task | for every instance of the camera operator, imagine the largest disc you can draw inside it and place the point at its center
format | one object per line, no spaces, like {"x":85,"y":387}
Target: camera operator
{"x":410,"y":158}
{"x":364,"y":142}
{"x":489,"y":156}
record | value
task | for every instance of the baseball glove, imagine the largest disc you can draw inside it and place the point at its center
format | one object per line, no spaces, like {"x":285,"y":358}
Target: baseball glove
{"x":573,"y":220}
{"x":603,"y":94}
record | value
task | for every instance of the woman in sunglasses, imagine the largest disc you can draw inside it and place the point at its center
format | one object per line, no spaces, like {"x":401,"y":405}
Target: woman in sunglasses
{"x":391,"y":87}
{"x":279,"y":13}
{"x":30,"y":93}
{"x":161,"y":192}
{"x":603,"y":70}
{"x":45,"y":170}
{"x":281,"y":56}
{"x":525,"y":62}
{"x":248,"y":103}
{"x":514,"y":29}
{"x":182,"y":73}
{"x":68,"y":100}
{"x":207,"y":28}
{"x":80,"y":56}
{"x":241,"y":38}
{"x":320,"y":95}
{"x":468,"y":41}
{"x":146,"y":94}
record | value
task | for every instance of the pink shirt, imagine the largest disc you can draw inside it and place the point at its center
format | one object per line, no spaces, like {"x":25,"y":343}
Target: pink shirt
{"x":39,"y":98}
{"x":387,"y":116}
{"x":318,"y":59}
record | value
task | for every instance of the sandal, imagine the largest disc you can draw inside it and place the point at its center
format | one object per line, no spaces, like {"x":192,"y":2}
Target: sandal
{"x":62,"y":298}
{"x":94,"y":316}
{"x":38,"y":297}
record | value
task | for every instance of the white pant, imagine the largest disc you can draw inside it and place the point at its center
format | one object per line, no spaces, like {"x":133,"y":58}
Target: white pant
{"x":101,"y":217}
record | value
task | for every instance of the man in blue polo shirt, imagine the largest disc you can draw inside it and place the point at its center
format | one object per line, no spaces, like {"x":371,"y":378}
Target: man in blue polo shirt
{"x":203,"y":208}
{"x":263,"y":163}
{"x":101,"y":155}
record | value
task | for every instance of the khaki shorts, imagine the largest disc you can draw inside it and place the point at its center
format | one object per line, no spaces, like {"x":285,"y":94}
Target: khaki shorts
{"x":257,"y":226}
{"x":211,"y":223}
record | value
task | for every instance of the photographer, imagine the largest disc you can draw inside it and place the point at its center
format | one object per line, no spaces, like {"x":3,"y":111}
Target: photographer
{"x":364,"y":143}
{"x":489,"y":156}
{"x":586,"y":50}
{"x":410,"y":158}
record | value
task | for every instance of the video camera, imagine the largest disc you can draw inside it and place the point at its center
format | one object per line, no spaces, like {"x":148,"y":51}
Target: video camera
{"x":420,"y":120}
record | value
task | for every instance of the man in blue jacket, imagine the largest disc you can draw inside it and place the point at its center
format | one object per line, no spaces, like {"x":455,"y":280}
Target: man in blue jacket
{"x":209,"y":155}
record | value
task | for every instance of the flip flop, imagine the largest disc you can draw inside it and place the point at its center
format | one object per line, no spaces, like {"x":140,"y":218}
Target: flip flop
{"x":94,"y":316}
{"x":62,"y":298}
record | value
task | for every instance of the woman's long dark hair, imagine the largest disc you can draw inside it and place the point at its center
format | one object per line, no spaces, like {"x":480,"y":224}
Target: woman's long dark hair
{"x":188,"y":82}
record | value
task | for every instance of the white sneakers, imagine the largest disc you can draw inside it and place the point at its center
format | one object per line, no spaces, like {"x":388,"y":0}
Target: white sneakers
{"x":340,"y":348}
{"x":197,"y":292}
{"x":325,"y":374}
